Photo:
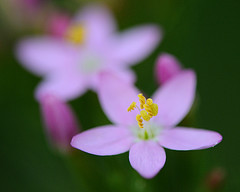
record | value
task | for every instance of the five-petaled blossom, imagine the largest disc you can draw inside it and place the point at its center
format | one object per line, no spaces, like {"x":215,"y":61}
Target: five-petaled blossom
{"x":167,"y":66}
{"x":145,"y":133}
{"x":72,"y":64}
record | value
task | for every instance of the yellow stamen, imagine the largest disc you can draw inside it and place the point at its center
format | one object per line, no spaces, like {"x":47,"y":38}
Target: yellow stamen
{"x":132,"y":106}
{"x":139,"y":120}
{"x":149,"y":101}
{"x":76,"y":34}
{"x":149,"y":109}
{"x":145,"y":115}
{"x":154,"y":109}
{"x":142,"y":100}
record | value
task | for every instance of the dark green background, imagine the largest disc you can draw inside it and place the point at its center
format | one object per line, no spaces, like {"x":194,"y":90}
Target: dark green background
{"x":203,"y":34}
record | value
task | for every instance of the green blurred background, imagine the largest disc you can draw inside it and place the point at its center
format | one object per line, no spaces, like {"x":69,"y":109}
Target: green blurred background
{"x":202,"y":34}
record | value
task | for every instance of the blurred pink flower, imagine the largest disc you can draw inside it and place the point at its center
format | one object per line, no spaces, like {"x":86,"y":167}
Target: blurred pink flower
{"x":167,"y":67}
{"x":69,"y":69}
{"x":60,"y":122}
{"x":31,"y":5}
{"x":145,"y":145}
{"x":216,"y":179}
{"x":58,"y":24}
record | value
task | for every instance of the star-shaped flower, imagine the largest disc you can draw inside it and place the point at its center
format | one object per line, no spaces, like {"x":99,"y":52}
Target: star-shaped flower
{"x":145,"y":132}
{"x":72,"y":64}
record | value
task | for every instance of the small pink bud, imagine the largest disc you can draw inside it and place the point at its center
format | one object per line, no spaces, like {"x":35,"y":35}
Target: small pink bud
{"x":30,"y":4}
{"x":215,"y":179}
{"x":167,"y":66}
{"x":60,"y":122}
{"x":58,"y":24}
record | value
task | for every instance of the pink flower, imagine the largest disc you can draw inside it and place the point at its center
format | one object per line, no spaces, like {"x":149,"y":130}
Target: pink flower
{"x":91,"y":45}
{"x":145,"y":145}
{"x":60,"y":122}
{"x":58,"y":24}
{"x":167,"y":67}
{"x":30,"y":4}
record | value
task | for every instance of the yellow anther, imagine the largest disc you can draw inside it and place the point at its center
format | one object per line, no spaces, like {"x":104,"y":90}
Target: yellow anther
{"x":142,"y":100}
{"x":76,"y":34}
{"x":145,"y":115}
{"x":148,"y":108}
{"x":154,"y":109}
{"x":132,"y":106}
{"x":139,"y":120}
{"x":149,"y":101}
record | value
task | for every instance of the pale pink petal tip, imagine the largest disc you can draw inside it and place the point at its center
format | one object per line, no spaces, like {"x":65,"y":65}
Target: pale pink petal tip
{"x":175,"y":98}
{"x":133,"y":45}
{"x":98,"y":21}
{"x":181,"y":138}
{"x":60,"y":121}
{"x":65,"y":86}
{"x":167,"y":67}
{"x":147,"y":158}
{"x":43,"y":55}
{"x":105,"y":140}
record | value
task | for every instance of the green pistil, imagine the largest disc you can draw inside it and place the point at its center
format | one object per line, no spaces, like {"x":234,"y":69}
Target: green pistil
{"x":146,"y":136}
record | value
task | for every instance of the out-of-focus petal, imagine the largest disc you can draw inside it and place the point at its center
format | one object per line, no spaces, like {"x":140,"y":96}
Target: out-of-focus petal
{"x":105,"y":140}
{"x":182,"y":138}
{"x":147,"y":158}
{"x":167,"y":66}
{"x":98,"y":22}
{"x":135,"y":44}
{"x":44,"y":55}
{"x":125,"y":74}
{"x":65,"y":85}
{"x":61,"y":124}
{"x":115,"y":96}
{"x":175,"y":98}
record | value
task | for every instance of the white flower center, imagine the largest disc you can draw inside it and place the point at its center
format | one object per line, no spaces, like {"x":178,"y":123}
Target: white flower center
{"x":90,"y":64}
{"x":149,"y":132}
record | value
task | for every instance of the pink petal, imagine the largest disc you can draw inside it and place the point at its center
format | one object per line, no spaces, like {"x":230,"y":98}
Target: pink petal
{"x":115,"y":96}
{"x":98,"y":22}
{"x":105,"y":140}
{"x":147,"y":158}
{"x":167,"y":66}
{"x":61,"y":124}
{"x":182,"y":138}
{"x":134,"y":45}
{"x":44,"y":55}
{"x":65,"y":85}
{"x":175,"y":98}
{"x":125,"y":74}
